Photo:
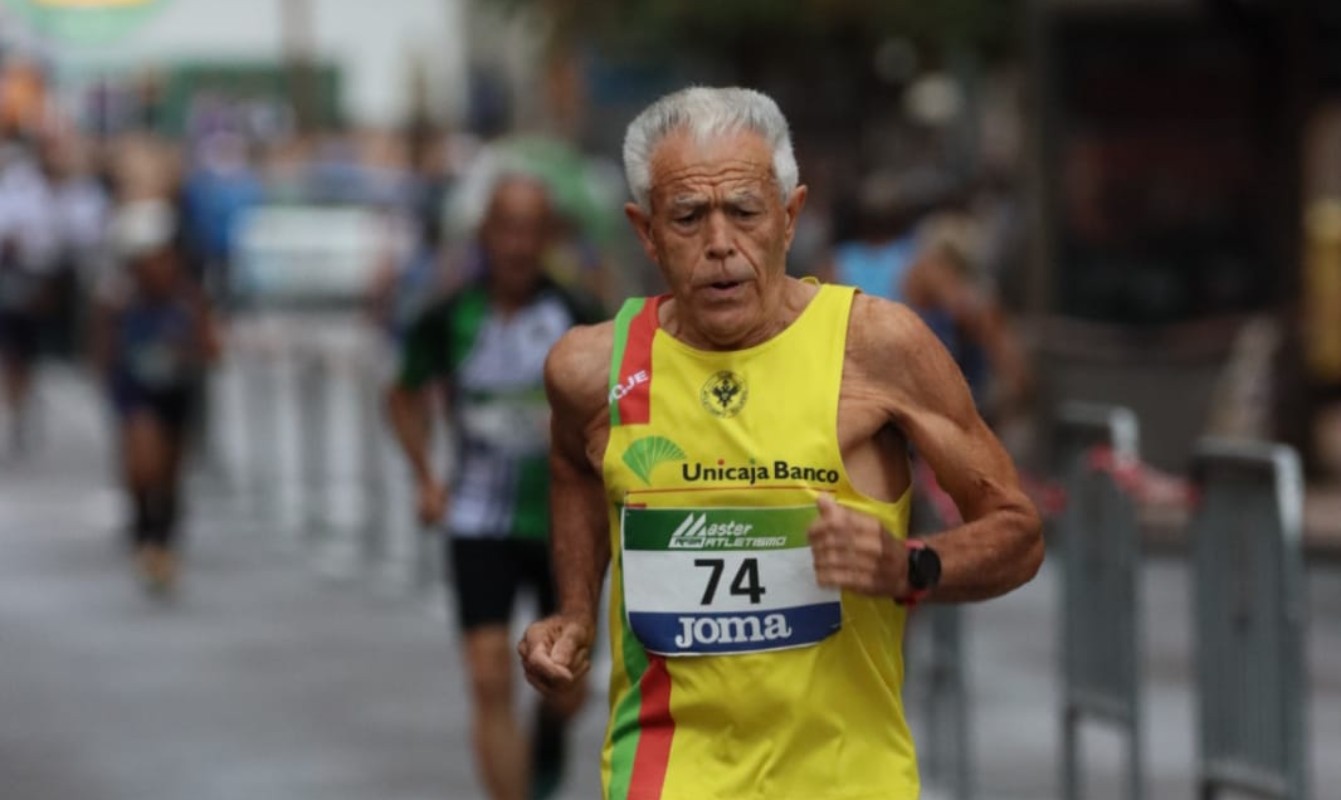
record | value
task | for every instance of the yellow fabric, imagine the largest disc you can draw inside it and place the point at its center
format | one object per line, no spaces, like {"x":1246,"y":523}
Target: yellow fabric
{"x":824,"y":722}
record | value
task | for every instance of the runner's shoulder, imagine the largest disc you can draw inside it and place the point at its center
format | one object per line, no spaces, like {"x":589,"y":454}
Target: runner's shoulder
{"x":880,"y":330}
{"x":891,"y":352}
{"x":577,"y":370}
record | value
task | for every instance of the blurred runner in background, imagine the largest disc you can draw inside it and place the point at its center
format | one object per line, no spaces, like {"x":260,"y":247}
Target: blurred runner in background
{"x":153,"y":338}
{"x":485,"y":346}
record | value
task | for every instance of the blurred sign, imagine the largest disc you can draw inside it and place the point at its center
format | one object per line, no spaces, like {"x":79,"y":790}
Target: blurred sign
{"x":307,"y":256}
{"x":86,"y":21}
{"x":256,"y":96}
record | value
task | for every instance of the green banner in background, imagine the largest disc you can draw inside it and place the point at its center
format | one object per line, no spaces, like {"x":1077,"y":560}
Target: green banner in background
{"x":90,"y":22}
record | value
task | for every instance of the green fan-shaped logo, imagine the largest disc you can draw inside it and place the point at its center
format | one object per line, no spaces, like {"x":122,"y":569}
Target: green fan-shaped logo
{"x":644,"y":454}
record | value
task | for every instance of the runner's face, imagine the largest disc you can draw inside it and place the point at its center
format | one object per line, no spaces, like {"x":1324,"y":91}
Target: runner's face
{"x":516,"y":233}
{"x":719,"y":230}
{"x":157,"y":273}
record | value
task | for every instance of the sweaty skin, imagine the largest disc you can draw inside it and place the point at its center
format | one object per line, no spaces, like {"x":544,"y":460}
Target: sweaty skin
{"x":719,"y":229}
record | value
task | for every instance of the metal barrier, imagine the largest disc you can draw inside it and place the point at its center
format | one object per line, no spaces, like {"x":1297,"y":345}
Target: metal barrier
{"x":314,"y":457}
{"x":311,"y":400}
{"x":1101,"y":643}
{"x":945,"y":746}
{"x":1250,"y":614}
{"x":262,"y":456}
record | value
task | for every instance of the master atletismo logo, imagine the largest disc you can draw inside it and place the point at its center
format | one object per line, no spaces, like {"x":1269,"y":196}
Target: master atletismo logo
{"x":724,"y":394}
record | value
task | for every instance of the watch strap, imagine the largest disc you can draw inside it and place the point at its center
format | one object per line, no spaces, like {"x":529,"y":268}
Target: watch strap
{"x":914,"y":596}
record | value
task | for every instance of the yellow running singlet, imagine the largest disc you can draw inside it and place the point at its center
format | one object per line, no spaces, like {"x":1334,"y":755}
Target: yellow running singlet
{"x":735,"y":676}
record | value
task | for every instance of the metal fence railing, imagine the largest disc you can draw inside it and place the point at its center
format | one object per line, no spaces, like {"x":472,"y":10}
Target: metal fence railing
{"x":1250,"y":615}
{"x":1101,"y":641}
{"x":300,"y":425}
{"x":945,"y":743}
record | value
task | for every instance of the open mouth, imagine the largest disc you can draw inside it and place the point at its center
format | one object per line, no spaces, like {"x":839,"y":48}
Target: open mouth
{"x":724,"y":285}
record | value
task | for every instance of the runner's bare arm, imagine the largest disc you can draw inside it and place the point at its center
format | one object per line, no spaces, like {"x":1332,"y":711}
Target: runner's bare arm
{"x":577,"y":382}
{"x":556,"y":652}
{"x":1000,"y":546}
{"x":410,"y":412}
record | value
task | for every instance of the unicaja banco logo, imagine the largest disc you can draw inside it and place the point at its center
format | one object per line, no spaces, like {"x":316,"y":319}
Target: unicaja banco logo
{"x":724,"y":394}
{"x":643,"y":456}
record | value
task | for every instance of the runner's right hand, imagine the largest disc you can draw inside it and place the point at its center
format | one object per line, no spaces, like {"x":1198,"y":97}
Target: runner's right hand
{"x":556,"y":653}
{"x":432,"y":502}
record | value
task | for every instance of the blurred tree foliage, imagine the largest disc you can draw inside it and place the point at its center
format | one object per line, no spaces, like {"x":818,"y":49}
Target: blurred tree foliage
{"x":744,"y":30}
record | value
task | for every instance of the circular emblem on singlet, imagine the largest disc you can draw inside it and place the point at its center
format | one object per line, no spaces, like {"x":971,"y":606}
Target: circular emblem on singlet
{"x":724,"y":394}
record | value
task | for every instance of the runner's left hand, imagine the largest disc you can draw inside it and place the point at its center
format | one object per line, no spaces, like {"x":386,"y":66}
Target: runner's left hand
{"x":853,"y":551}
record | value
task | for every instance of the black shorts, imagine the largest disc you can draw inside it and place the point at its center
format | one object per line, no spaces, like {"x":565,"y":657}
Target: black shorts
{"x":173,"y":407}
{"x":486,"y":574}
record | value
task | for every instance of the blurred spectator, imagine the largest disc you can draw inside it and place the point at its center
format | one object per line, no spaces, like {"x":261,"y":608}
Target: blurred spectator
{"x":29,"y":251}
{"x":878,"y":259}
{"x":920,"y":246}
{"x":82,"y":204}
{"x":221,"y":186}
{"x":81,"y":210}
{"x":23,"y":97}
{"x":406,"y":285}
{"x":949,"y":287}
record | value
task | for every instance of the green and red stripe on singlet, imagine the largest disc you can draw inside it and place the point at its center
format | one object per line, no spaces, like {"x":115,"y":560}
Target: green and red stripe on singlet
{"x":635,"y":327}
{"x":639,"y":760}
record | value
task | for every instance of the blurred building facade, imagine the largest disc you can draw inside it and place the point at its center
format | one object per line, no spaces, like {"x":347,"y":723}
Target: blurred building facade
{"x":1182,"y":180}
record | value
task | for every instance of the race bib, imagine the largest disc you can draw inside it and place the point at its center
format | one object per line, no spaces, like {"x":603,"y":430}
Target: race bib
{"x":701,"y":581}
{"x":514,"y":424}
{"x":157,"y":364}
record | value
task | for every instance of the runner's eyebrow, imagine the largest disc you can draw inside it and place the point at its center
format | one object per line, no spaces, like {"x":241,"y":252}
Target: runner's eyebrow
{"x":691,"y":202}
{"x":688,"y":201}
{"x":743,"y":196}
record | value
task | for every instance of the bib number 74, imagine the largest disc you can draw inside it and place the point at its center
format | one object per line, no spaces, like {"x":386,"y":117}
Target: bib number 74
{"x":723,"y":580}
{"x":745,"y":583}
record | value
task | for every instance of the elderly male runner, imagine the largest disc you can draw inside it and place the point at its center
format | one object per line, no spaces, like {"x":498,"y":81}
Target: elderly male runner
{"x":740,"y":446}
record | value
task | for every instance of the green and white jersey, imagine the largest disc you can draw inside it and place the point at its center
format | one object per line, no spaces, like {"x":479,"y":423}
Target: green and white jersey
{"x":493,"y":368}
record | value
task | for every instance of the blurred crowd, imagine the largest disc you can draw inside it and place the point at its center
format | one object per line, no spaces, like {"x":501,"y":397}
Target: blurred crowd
{"x":944,"y":246}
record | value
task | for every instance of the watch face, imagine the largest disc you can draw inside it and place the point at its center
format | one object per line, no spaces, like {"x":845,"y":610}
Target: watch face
{"x":924,"y":568}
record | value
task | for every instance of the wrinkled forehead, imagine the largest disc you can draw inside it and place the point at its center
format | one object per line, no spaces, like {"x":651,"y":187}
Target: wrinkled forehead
{"x":736,"y":161}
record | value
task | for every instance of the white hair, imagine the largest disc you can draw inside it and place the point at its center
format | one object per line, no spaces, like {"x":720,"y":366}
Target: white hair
{"x":707,"y":112}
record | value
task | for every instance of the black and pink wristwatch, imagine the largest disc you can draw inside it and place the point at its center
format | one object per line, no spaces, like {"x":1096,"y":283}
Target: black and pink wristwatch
{"x":924,"y":572}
